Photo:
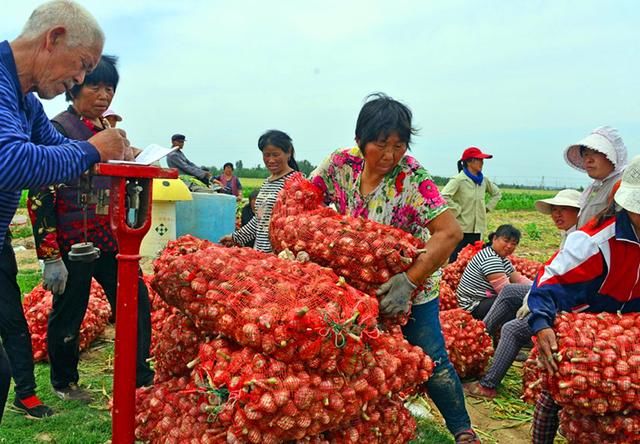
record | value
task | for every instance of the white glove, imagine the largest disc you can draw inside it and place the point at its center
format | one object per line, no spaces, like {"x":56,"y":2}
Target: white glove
{"x":524,"y":310}
{"x":55,"y":276}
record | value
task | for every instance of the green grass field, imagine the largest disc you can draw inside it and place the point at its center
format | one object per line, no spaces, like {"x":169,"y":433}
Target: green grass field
{"x":79,"y":424}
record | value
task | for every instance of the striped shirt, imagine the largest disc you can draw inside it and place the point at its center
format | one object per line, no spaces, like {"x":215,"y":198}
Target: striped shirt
{"x":32,"y":152}
{"x":258,"y":226}
{"x":474,"y":286}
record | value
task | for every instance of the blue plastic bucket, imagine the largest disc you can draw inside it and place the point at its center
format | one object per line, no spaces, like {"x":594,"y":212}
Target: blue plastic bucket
{"x":207,"y":216}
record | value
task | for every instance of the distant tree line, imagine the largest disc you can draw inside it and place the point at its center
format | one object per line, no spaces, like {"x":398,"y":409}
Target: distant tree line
{"x":259,"y":171}
{"x":306,"y":167}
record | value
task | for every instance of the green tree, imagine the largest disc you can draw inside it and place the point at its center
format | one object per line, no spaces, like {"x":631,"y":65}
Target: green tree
{"x":306,"y":167}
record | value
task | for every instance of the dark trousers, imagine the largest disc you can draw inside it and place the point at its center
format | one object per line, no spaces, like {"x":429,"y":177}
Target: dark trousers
{"x":5,"y":379}
{"x":67,"y":313}
{"x":505,"y":307}
{"x":482,"y":308}
{"x":14,"y":330}
{"x":467,"y":238}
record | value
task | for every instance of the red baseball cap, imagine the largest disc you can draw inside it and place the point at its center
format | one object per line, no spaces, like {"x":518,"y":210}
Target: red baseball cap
{"x":473,"y":152}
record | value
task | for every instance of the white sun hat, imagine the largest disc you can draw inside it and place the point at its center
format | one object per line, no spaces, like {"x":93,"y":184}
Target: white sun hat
{"x":628,"y":195}
{"x":564,"y":198}
{"x":111,"y":112}
{"x":605,"y":140}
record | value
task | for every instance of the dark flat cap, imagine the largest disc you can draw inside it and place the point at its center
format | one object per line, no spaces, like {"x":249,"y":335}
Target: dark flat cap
{"x":178,"y":137}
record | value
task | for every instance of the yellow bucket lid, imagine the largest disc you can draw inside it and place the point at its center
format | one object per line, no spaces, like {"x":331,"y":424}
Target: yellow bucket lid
{"x":170,"y":190}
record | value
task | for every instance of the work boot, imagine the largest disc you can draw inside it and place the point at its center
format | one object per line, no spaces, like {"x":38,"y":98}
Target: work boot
{"x":33,"y":407}
{"x":73,"y":392}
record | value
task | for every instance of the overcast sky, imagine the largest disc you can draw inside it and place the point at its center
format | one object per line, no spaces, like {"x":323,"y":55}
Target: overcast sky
{"x":520,"y":79}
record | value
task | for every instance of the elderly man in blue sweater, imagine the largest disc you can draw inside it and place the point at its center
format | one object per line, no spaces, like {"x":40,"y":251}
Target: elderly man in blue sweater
{"x":58,"y":45}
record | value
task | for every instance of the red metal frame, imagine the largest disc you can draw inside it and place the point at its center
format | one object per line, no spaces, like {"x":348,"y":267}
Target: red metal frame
{"x":128,"y":239}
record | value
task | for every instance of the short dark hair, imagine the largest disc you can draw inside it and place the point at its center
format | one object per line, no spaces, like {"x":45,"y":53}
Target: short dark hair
{"x":507,"y":231}
{"x":104,"y":72}
{"x":228,"y":164}
{"x":254,"y":194}
{"x":379,"y":117}
{"x":281,"y":140}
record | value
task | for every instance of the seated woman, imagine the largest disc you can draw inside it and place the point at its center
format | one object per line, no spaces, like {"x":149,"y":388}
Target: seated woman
{"x":516,"y":333}
{"x":578,"y":277}
{"x":489,"y":272}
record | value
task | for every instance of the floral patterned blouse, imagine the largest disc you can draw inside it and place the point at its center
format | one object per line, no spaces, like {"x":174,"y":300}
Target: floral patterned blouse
{"x":407,"y":198}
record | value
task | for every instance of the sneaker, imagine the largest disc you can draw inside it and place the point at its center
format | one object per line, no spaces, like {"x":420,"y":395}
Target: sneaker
{"x":33,"y":407}
{"x":476,"y":390}
{"x":467,"y":437}
{"x":73,"y":392}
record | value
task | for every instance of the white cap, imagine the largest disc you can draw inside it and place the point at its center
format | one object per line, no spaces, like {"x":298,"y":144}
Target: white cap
{"x":564,"y":198}
{"x":111,"y":112}
{"x":605,"y":140}
{"x":628,"y":195}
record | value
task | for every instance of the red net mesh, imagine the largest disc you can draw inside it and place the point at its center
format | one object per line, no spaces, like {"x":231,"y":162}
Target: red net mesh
{"x":366,"y":253}
{"x":448,"y":298}
{"x":265,"y":302}
{"x":468,"y":344}
{"x":37,"y":305}
{"x":608,"y":429}
{"x":598,"y":362}
{"x":532,"y":380}
{"x":387,"y":422}
{"x":173,"y":412}
{"x":302,"y":357}
{"x":176,"y":344}
{"x":452,"y":273}
{"x":286,"y":401}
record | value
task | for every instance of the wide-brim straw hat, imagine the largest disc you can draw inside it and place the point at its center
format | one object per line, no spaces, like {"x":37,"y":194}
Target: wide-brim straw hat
{"x":564,"y":198}
{"x":628,"y":195}
{"x":605,"y":140}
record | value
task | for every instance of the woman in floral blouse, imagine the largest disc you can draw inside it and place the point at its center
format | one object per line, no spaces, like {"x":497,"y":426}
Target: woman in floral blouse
{"x":378,"y":181}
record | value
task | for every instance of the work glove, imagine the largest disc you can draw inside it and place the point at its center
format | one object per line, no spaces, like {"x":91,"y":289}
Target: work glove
{"x":395,"y":294}
{"x":524,"y":310}
{"x":55,"y":276}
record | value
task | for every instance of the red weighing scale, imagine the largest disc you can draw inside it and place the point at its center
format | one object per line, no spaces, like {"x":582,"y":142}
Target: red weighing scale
{"x":130,"y":215}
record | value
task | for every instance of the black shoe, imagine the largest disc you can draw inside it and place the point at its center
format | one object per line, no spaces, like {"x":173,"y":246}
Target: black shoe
{"x":37,"y":409}
{"x":73,"y":392}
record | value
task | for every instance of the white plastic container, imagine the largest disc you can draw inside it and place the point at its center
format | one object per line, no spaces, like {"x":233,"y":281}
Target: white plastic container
{"x":166,"y":192}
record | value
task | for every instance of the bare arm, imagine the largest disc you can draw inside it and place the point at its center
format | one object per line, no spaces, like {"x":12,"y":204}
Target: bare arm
{"x":445,"y":235}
